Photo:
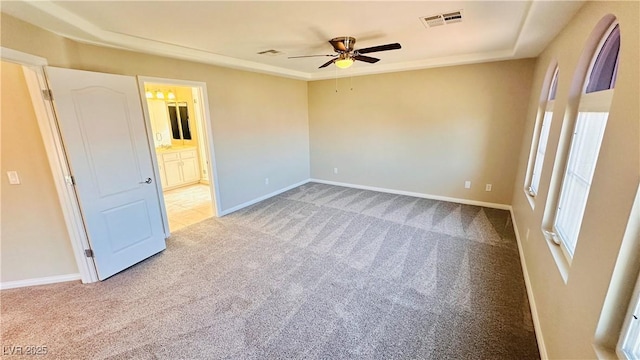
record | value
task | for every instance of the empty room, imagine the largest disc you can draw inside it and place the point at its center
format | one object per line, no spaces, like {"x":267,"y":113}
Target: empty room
{"x":320,"y":179}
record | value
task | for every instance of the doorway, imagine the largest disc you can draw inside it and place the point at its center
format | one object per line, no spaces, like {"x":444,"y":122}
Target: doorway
{"x":63,"y":180}
{"x":33,"y":69}
{"x":179,"y":131}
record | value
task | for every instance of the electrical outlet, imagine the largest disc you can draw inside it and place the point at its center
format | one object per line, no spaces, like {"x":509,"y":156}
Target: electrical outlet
{"x":14,"y":179}
{"x":467,"y":184}
{"x":487,"y":187}
{"x":266,"y":181}
{"x":335,"y":170}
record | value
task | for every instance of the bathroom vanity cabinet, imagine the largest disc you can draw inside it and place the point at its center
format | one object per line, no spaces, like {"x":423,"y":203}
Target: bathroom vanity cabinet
{"x":178,"y":166}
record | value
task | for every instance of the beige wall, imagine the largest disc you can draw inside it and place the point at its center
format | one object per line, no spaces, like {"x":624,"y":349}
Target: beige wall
{"x":424,"y":131}
{"x":35,"y":242}
{"x":569,"y":313}
{"x":259,"y":122}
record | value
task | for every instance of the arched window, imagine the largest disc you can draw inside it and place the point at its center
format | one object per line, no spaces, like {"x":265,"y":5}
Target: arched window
{"x":542,"y":135}
{"x":588,"y":131}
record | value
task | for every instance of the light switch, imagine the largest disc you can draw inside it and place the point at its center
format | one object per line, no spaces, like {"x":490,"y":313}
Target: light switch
{"x":13,"y":177}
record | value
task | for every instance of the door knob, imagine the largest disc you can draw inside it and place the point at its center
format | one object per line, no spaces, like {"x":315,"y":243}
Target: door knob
{"x":148,"y":181}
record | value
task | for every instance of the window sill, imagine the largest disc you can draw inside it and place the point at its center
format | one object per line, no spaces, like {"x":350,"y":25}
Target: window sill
{"x":559,"y":256}
{"x":530,"y":198}
{"x":604,"y":352}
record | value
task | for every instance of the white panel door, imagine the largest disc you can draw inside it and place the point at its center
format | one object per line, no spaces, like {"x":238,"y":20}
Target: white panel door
{"x":103,"y":131}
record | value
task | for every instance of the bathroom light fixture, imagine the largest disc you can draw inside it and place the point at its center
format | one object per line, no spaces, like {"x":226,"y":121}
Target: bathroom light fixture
{"x":344,"y":61}
{"x":148,"y":94}
{"x":171,"y":95}
{"x":159,"y":95}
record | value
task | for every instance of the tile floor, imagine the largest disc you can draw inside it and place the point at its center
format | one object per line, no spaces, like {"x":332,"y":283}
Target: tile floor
{"x":188,"y":205}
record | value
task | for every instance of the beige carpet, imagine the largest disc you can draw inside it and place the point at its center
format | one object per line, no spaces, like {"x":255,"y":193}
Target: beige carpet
{"x":319,"y":272}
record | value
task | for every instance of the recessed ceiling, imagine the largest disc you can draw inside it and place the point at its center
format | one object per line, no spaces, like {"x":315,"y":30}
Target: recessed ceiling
{"x":234,"y":33}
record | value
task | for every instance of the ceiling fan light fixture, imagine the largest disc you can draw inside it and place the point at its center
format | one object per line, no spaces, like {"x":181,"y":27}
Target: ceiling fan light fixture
{"x":344,"y":63}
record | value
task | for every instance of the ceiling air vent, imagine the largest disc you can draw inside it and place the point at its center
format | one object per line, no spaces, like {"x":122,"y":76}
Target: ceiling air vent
{"x":435,"y":20}
{"x":453,"y":17}
{"x":442,"y":19}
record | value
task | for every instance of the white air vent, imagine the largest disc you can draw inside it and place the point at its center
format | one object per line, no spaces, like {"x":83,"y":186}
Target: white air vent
{"x":453,"y":17}
{"x":442,"y":19}
{"x":270,"y":52}
{"x":432,"y":21}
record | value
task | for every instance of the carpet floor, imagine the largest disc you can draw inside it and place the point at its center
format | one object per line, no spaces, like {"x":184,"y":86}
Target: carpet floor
{"x":318,"y":272}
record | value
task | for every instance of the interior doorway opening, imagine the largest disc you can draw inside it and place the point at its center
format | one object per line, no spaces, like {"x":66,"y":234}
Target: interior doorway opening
{"x":178,"y":131}
{"x":34,"y":68}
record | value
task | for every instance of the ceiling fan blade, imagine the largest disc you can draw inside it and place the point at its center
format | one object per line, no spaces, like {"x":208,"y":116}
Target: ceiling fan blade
{"x":306,"y":56}
{"x":386,"y":47}
{"x":328,"y":63}
{"x":370,"y":60}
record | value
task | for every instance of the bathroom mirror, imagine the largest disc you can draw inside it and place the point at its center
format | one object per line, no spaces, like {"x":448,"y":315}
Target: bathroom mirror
{"x":179,"y":117}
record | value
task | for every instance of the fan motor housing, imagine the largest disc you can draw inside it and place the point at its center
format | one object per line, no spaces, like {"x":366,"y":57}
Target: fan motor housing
{"x":348,"y":42}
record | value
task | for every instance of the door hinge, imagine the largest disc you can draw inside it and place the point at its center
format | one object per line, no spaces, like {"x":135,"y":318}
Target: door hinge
{"x":88,"y":253}
{"x":70,"y":180}
{"x":47,"y":94}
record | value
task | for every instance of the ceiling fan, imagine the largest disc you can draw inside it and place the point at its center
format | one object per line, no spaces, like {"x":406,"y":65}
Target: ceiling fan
{"x":346,"y":55}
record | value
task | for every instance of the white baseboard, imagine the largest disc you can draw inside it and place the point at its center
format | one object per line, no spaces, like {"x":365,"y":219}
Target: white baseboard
{"x":264,"y":197}
{"x":39,"y":281}
{"x":364,"y":187}
{"x":415,"y":194}
{"x":532,"y":301}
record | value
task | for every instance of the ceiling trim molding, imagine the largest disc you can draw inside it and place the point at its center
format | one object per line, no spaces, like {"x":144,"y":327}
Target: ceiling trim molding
{"x":69,"y":25}
{"x":20,"y":57}
{"x":525,"y":21}
{"x":132,"y":43}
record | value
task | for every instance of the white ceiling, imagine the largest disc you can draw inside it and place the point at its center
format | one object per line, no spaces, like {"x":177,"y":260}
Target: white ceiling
{"x":231,"y":33}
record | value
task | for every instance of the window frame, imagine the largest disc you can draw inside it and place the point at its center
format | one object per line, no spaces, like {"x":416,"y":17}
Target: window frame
{"x":630,"y":334}
{"x":630,"y":329}
{"x":541,"y":134}
{"x":589,"y":102}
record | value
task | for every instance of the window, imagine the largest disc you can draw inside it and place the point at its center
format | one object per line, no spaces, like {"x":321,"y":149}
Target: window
{"x":179,"y":118}
{"x":543,"y":135}
{"x":630,"y":342}
{"x":628,"y":346}
{"x":588,"y":131}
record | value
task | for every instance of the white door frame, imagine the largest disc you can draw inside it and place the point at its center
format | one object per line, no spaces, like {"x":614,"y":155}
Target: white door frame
{"x":33,"y":67}
{"x":206,"y":120}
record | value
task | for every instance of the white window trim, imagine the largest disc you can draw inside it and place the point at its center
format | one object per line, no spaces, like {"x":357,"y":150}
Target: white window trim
{"x":545,"y":106}
{"x":599,"y":101}
{"x":630,"y":329}
{"x":553,"y":237}
{"x":630,"y":333}
{"x":534,"y":186}
{"x":593,"y":102}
